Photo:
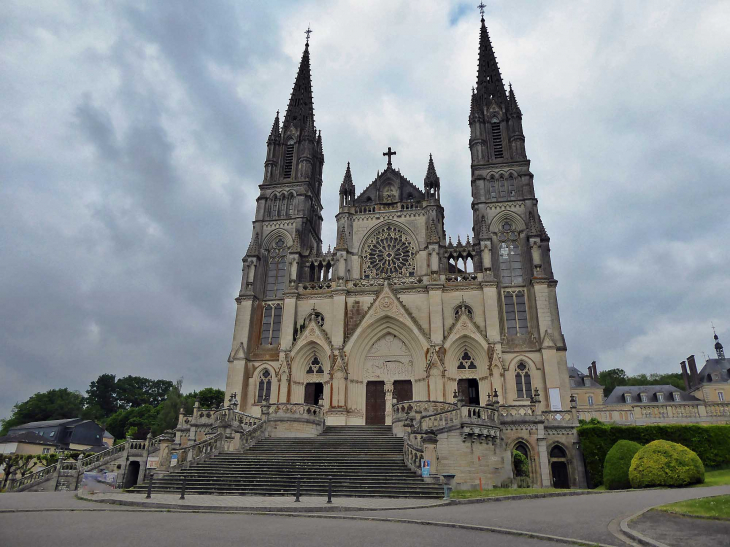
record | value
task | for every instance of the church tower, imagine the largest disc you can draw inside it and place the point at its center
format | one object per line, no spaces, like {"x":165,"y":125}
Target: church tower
{"x":515,"y":251}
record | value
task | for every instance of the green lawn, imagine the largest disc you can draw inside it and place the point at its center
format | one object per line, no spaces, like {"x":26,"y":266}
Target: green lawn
{"x":716,"y":477}
{"x":499,"y":492}
{"x":715,"y":507}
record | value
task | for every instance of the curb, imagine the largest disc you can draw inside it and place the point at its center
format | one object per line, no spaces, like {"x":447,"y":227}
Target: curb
{"x":526,"y":497}
{"x":253,"y":510}
{"x":637,"y":536}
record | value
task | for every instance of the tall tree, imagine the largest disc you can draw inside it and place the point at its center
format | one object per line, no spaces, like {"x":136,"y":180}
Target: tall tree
{"x":101,"y":397}
{"x":54,"y":404}
{"x":134,"y":391}
{"x":209,"y":397}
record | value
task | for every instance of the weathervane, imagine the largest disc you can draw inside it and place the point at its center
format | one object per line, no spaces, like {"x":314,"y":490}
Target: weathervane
{"x":308,"y":32}
{"x":713,"y":328}
{"x":481,"y":7}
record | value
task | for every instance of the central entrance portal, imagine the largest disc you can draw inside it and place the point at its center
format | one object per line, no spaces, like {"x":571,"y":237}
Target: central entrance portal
{"x":313,"y":392}
{"x":468,"y":388}
{"x":375,"y":403}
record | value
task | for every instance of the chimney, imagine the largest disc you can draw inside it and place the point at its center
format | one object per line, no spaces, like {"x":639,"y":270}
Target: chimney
{"x":685,"y":376}
{"x":595,"y":370}
{"x":590,"y":373}
{"x":694,"y":377}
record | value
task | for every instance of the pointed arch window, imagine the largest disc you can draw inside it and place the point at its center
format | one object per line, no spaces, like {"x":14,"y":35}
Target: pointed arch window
{"x":271,"y":325}
{"x":515,"y":313}
{"x":315,"y":366}
{"x":264,"y":388}
{"x":288,"y":159}
{"x":510,"y":257}
{"x":466,"y":362}
{"x":502,"y":188}
{"x":493,"y":188}
{"x":523,"y":381}
{"x":290,"y":211}
{"x":511,"y":186}
{"x":276,"y":274}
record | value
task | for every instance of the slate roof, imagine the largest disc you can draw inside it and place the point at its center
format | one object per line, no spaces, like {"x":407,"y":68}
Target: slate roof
{"x":26,"y":437}
{"x":48,"y":423}
{"x":617,"y":395}
{"x":577,"y":379}
{"x":712,"y":366}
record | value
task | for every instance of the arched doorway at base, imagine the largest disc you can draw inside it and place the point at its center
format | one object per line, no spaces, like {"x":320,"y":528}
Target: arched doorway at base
{"x":132,"y":474}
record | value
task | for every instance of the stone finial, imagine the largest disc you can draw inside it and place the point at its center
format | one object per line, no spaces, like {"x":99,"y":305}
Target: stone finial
{"x":297,"y":245}
{"x":253,"y":248}
{"x":433,"y":236}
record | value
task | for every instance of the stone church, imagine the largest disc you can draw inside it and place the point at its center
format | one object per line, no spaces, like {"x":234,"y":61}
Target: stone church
{"x":397,"y":310}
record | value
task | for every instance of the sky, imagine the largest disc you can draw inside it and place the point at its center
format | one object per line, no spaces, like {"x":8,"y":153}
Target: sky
{"x":133,"y":136}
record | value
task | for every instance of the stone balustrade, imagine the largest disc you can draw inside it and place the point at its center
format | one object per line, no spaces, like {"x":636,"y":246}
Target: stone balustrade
{"x":413,"y":452}
{"x":402,"y":409}
{"x":667,"y":413}
{"x":198,"y":451}
{"x":34,"y":478}
{"x":251,"y":436}
{"x":293,"y":419}
{"x":473,"y":414}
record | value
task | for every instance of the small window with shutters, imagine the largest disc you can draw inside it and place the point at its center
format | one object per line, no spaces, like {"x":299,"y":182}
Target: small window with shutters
{"x":497,"y":140}
{"x":289,"y":159}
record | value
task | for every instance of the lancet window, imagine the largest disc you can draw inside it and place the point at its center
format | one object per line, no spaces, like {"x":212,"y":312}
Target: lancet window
{"x":264,"y":388}
{"x":523,"y":381}
{"x":515,"y":312}
{"x":288,"y":159}
{"x":276,"y":274}
{"x":510,"y":256}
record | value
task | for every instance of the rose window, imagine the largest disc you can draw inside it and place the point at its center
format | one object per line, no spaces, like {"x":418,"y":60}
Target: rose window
{"x":389,"y":253}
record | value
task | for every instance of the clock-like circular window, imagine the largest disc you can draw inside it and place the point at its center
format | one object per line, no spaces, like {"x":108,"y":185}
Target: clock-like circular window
{"x":389,"y":253}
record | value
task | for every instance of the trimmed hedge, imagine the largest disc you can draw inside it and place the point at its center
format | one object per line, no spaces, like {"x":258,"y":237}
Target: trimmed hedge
{"x":710,"y":442}
{"x":617,"y":464}
{"x":663,"y":463}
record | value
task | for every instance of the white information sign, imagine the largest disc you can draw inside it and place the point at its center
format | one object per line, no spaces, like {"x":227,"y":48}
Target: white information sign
{"x":555,"y":398}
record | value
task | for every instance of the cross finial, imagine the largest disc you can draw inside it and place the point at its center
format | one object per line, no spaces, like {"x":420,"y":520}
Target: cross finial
{"x":389,"y":153}
{"x":314,"y":307}
{"x":308,"y":32}
{"x":481,"y":7}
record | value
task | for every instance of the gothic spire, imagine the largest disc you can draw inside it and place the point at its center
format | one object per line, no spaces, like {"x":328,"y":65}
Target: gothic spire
{"x":347,"y":180}
{"x":489,"y":79}
{"x":431,"y":183}
{"x":301,"y":106}
{"x":275,"y":134}
{"x":514,"y":108}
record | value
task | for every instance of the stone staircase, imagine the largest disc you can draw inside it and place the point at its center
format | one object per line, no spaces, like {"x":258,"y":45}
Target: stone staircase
{"x":363,"y":461}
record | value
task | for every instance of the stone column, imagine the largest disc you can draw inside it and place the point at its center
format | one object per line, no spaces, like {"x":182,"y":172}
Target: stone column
{"x":389,"y":402}
{"x":143,"y":460}
{"x":436,"y":313}
{"x":542,"y":455}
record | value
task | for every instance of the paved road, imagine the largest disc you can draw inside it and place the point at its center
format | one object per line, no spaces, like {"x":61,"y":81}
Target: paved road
{"x":579,"y":517}
{"x":679,"y":531}
{"x":162,"y":529}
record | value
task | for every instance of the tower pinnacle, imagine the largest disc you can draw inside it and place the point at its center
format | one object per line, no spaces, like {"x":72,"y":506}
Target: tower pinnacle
{"x":489,"y":79}
{"x":300,"y":111}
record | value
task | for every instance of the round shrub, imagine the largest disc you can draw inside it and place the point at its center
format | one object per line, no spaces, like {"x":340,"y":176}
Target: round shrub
{"x":663,"y":463}
{"x":617,"y":464}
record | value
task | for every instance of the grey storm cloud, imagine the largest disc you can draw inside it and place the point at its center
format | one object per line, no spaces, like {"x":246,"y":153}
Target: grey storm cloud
{"x":132,"y":140}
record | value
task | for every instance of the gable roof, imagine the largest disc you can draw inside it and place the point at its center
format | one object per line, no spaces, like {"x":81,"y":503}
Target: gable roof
{"x":406,"y":187}
{"x":617,"y":395}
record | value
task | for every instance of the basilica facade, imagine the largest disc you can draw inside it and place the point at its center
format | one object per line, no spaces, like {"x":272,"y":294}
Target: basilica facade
{"x":397,"y":310}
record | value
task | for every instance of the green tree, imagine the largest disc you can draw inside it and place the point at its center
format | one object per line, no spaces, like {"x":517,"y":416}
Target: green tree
{"x":142,"y":418}
{"x":169,"y":410}
{"x":101,"y":397}
{"x":612,"y":378}
{"x":210,"y":397}
{"x":54,"y":404}
{"x":134,"y":391}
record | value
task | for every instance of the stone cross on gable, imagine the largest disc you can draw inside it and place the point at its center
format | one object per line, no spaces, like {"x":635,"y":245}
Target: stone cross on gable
{"x":308,"y":32}
{"x":389,"y":153}
{"x":481,"y":7}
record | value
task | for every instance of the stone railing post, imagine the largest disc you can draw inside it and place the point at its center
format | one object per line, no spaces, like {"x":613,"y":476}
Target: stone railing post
{"x":265,"y":409}
{"x":57,"y":473}
{"x":407,"y":425}
{"x":163,"y":465}
{"x":430,"y":453}
{"x":417,"y":423}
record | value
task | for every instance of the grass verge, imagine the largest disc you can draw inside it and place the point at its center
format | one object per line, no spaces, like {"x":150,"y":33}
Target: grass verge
{"x":499,"y":492}
{"x":716,"y":507}
{"x":716,"y":477}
